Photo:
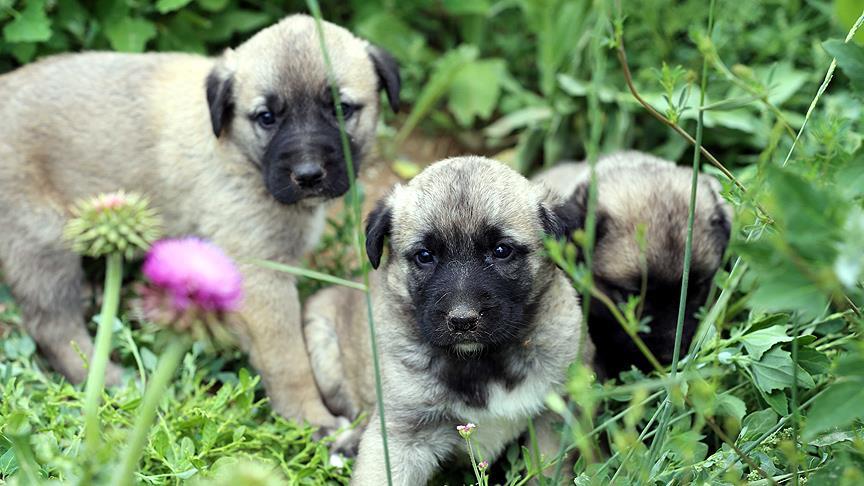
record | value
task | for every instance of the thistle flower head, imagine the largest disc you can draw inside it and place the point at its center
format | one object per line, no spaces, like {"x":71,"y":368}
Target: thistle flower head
{"x":117,"y":222}
{"x":482,"y":465}
{"x":466,"y":430}
{"x":191,"y":281}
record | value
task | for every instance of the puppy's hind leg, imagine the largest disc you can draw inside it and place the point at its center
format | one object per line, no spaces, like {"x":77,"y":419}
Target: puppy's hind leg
{"x":46,"y":279}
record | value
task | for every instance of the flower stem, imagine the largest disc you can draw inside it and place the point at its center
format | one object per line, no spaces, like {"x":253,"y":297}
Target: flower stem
{"x":473,"y":460}
{"x":99,"y":361}
{"x":147,"y":412}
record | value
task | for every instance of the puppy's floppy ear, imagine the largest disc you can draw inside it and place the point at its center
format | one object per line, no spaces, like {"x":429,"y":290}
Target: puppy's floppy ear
{"x":387,"y":70}
{"x":378,"y":226}
{"x":561,"y":220}
{"x":220,"y":98}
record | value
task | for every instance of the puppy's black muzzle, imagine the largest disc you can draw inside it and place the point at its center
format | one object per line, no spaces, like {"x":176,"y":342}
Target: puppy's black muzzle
{"x":299,"y":165}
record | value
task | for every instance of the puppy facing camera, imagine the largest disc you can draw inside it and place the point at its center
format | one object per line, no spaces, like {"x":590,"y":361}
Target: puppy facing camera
{"x":475,"y":324}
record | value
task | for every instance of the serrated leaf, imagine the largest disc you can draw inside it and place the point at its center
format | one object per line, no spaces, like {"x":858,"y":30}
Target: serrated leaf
{"x":128,"y":34}
{"x":31,"y":25}
{"x":475,"y":89}
{"x":774,"y":372}
{"x":165,"y":6}
{"x":758,"y":342}
{"x":838,"y":406}
{"x":850,"y":58}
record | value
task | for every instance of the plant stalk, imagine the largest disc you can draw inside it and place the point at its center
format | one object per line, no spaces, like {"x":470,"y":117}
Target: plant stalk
{"x":355,"y":202}
{"x":101,"y":351}
{"x":154,"y":394}
{"x":688,"y":249}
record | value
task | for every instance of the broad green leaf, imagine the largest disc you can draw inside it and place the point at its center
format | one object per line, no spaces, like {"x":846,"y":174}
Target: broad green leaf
{"x":129,"y":34}
{"x":475,"y":89}
{"x":229,"y":22}
{"x":467,"y":7}
{"x":758,"y":342}
{"x":838,"y":406}
{"x":518,"y":119}
{"x":774,"y":372}
{"x":439,"y":83}
{"x":768,"y":321}
{"x":394,"y":34}
{"x":73,"y":17}
{"x":31,"y":25}
{"x":730,"y":406}
{"x":165,"y":6}
{"x":850,"y":58}
{"x":815,"y":362}
{"x":833,"y":438}
{"x":23,"y":52}
{"x":777,"y":400}
{"x":846,"y":12}
{"x":757,"y":423}
{"x":782,"y":80}
{"x":213,"y":5}
{"x":406,"y":169}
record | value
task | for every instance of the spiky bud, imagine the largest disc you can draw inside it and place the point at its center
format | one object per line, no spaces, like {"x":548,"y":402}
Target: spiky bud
{"x":118,"y":222}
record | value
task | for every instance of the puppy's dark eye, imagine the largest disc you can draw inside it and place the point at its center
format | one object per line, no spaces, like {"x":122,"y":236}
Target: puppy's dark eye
{"x":424,"y":257}
{"x":266,"y":119}
{"x":502,"y":251}
{"x":347,"y":110}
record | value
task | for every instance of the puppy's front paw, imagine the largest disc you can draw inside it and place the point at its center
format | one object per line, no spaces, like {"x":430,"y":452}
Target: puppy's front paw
{"x":337,"y":427}
{"x":347,"y":442}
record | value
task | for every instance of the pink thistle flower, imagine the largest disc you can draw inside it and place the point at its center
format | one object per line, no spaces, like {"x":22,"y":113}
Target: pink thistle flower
{"x":483,"y":465}
{"x":194,"y":273}
{"x":466,"y":430}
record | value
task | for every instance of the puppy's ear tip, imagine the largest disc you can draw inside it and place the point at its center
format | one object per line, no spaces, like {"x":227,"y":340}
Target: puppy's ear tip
{"x":219,"y":89}
{"x":387,"y":69}
{"x":377,"y":229}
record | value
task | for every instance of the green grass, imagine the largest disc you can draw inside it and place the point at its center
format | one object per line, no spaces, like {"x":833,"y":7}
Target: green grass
{"x":773,"y":382}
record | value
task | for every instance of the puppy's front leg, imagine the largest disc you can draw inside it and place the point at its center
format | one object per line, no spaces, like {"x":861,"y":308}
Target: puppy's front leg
{"x":415,"y":453}
{"x":274,"y":340}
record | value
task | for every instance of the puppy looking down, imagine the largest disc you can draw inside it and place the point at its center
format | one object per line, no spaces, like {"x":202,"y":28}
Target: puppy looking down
{"x":635,"y":189}
{"x":242,"y":149}
{"x":474,"y":323}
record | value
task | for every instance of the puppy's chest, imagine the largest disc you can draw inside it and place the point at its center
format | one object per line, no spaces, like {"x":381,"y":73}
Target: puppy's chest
{"x":505,"y":403}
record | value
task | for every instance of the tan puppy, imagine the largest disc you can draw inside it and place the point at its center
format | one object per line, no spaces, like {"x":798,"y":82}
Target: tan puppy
{"x":243,"y":149}
{"x":639,"y":189}
{"x":474,"y":323}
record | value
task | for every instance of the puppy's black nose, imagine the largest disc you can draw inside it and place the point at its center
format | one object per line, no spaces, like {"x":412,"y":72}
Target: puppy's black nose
{"x":463,"y":319}
{"x":308,"y":174}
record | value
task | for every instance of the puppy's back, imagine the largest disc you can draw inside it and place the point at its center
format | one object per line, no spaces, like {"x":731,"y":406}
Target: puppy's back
{"x":81,"y":118}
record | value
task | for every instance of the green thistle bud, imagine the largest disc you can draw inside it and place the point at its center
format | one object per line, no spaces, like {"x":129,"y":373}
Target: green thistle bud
{"x":118,"y":222}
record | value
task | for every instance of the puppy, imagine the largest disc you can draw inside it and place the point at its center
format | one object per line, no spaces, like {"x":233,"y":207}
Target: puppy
{"x":242,"y":149}
{"x":474,"y":323}
{"x":639,"y":189}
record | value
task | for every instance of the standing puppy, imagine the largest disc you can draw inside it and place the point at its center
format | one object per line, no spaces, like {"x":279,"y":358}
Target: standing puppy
{"x":243,"y":149}
{"x":474,"y":323}
{"x":638,"y":189}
